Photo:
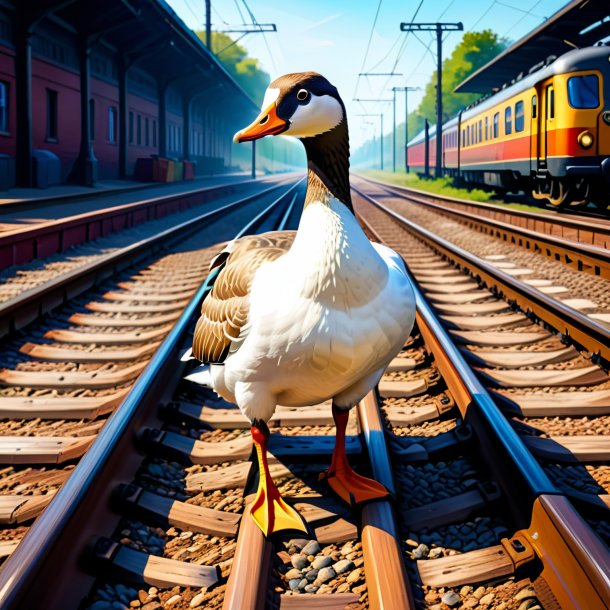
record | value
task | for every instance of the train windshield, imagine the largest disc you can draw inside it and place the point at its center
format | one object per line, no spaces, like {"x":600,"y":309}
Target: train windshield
{"x":583,"y":91}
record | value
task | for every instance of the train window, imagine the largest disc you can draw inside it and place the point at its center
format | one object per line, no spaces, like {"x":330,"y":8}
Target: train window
{"x":583,"y":91}
{"x":519,"y":116}
{"x":51,"y":115}
{"x":534,"y":106}
{"x":154,"y":133}
{"x":146,"y":131}
{"x":496,"y":124}
{"x":3,"y":107}
{"x":550,"y":101}
{"x":508,"y":121}
{"x":139,"y":129}
{"x":487,"y":128}
{"x":112,"y":125}
{"x":481,"y":130}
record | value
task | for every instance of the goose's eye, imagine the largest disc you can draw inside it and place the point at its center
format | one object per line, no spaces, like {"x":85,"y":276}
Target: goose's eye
{"x":302,"y":95}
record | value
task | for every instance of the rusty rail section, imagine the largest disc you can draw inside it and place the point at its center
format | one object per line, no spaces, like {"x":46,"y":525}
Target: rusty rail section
{"x":22,"y":245}
{"x":583,"y":229}
{"x":575,"y":562}
{"x":31,"y":304}
{"x":572,"y":324}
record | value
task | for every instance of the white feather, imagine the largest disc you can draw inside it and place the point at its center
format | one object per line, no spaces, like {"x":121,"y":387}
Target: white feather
{"x":201,"y":375}
{"x":321,"y":114}
{"x":325,"y":319}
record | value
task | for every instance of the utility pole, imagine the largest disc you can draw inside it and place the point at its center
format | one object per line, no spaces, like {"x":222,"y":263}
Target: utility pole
{"x":439,"y":28}
{"x":358,"y":99}
{"x":406,"y":90}
{"x":208,"y":24}
{"x":380,"y":115}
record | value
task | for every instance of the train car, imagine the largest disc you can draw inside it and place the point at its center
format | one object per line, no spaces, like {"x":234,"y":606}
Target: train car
{"x":548,"y":133}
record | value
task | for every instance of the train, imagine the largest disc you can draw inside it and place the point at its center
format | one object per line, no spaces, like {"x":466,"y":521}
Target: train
{"x":548,"y":133}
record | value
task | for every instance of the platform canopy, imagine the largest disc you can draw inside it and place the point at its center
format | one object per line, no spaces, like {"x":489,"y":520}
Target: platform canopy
{"x":581,"y":23}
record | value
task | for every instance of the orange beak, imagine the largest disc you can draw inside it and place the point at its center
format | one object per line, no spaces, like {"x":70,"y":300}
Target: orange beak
{"x":267,"y":123}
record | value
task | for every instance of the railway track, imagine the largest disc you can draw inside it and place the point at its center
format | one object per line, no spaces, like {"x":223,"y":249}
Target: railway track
{"x":572,"y":275}
{"x":550,"y":453}
{"x":66,"y":373}
{"x":156,"y":514}
{"x":580,"y":243}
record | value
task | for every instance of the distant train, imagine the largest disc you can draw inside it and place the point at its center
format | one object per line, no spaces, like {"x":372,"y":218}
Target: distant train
{"x":548,"y":133}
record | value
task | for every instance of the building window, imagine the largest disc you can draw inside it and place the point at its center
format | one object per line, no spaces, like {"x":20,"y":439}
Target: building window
{"x":496,"y":124}
{"x":112,"y":116}
{"x":51,"y":115}
{"x":130,"y":127}
{"x":534,"y":107}
{"x":519,"y":116}
{"x":508,"y":121}
{"x":146,"y":131}
{"x":92,"y":120}
{"x":139,"y":129}
{"x":3,"y":107}
{"x":154,"y":133}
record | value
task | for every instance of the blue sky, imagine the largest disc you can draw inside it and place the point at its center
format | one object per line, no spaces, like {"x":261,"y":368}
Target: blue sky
{"x":331,"y":37}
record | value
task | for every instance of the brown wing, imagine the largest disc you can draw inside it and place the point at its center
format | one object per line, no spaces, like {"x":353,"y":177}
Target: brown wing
{"x":225,"y":308}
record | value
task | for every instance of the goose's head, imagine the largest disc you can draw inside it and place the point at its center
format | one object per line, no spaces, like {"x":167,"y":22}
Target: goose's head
{"x":303,"y":105}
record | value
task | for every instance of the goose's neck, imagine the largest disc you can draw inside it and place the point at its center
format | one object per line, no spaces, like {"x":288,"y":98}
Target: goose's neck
{"x":328,"y":166}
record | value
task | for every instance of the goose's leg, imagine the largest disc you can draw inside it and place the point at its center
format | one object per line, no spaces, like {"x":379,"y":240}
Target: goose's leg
{"x":269,"y":510}
{"x":347,"y":484}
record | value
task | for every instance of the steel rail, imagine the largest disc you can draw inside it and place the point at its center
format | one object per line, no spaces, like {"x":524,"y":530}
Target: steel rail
{"x":32,"y":304}
{"x":43,"y":239}
{"x":83,"y":505}
{"x":576,"y":563}
{"x":567,"y":225}
{"x":572,"y":324}
{"x":582,"y":257}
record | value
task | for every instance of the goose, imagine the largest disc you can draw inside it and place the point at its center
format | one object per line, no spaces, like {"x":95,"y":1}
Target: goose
{"x":296,"y":318}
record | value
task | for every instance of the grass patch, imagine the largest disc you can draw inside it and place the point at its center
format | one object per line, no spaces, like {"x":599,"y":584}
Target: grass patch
{"x":438,"y":186}
{"x":445,"y":186}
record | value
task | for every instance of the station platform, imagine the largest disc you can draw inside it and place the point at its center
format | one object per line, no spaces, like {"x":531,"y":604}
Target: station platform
{"x":24,"y":207}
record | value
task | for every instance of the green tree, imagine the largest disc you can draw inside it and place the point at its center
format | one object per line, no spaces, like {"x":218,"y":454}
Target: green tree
{"x":234,"y":58}
{"x":474,"y":51}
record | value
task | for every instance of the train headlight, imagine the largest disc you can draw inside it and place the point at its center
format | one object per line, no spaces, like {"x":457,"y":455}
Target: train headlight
{"x":606,"y":117}
{"x":585,"y":139}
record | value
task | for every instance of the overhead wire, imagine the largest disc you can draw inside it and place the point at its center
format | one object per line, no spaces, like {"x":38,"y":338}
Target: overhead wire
{"x":368,"y":46}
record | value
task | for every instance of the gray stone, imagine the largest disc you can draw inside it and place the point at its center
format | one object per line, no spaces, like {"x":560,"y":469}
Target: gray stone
{"x":326,"y":574}
{"x":421,"y":552}
{"x":311,"y":575}
{"x":304,"y":582}
{"x":451,"y":598}
{"x":345,"y":565}
{"x":293,"y":583}
{"x":299,"y":543}
{"x":311,"y":588}
{"x":311,"y":548}
{"x":299,"y":561}
{"x":294,"y":573}
{"x":321,"y":561}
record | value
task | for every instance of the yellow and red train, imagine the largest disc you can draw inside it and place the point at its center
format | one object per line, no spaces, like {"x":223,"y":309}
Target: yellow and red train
{"x":548,"y":132}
